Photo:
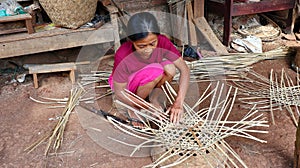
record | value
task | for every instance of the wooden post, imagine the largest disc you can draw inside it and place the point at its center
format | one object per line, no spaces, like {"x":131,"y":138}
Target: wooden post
{"x":198,"y":8}
{"x":29,"y":26}
{"x":35,"y":81}
{"x":297,"y":147}
{"x":209,"y":35}
{"x":114,"y":21}
{"x":72,"y":76}
{"x":192,"y":29}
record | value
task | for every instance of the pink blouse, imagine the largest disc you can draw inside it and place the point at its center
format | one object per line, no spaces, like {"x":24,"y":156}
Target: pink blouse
{"x":128,"y":62}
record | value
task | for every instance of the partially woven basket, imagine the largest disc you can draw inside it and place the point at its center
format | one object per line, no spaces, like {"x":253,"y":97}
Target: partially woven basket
{"x":70,"y":13}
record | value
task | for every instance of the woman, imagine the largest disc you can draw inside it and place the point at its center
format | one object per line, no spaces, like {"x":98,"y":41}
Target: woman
{"x":145,"y":62}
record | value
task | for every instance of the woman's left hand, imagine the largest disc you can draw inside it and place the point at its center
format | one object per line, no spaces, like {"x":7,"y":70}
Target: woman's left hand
{"x":176,"y":112}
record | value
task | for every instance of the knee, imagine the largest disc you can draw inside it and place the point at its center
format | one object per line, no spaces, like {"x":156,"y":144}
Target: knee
{"x":170,"y":70}
{"x":156,"y":80}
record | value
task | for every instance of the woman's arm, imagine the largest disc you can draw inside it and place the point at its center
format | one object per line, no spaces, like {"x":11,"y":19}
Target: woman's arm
{"x":118,"y":89}
{"x":177,"y":107}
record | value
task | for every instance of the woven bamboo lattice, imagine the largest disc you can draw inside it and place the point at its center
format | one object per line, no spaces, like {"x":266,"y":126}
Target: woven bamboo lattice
{"x":200,"y":133}
{"x":276,"y":93}
{"x":70,"y":14}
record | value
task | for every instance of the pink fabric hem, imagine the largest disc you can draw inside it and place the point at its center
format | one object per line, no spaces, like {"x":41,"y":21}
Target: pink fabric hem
{"x":143,"y":76}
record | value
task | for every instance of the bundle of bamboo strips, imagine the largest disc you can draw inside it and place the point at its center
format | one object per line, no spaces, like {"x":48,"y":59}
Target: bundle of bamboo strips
{"x":94,"y":77}
{"x":230,"y":65}
{"x":55,"y":138}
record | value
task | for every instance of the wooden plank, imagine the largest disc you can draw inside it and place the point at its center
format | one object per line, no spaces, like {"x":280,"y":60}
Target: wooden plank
{"x":48,"y":68}
{"x":45,"y":41}
{"x":112,"y":9}
{"x":260,"y":7}
{"x":48,"y":33}
{"x":209,"y":35}
{"x":15,"y":18}
{"x":198,"y":8}
{"x":9,"y":31}
{"x":58,"y":67}
{"x":192,"y":29}
{"x":250,"y":8}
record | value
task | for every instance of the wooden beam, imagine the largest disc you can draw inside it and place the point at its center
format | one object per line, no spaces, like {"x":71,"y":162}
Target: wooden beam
{"x":57,"y":67}
{"x":209,"y":35}
{"x":15,"y":18}
{"x":20,"y":44}
{"x":199,"y":8}
{"x":192,"y":29}
{"x":9,"y":31}
{"x":48,"y":68}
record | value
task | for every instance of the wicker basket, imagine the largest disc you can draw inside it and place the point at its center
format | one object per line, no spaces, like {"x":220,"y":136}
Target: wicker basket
{"x":70,"y":13}
{"x":267,"y":33}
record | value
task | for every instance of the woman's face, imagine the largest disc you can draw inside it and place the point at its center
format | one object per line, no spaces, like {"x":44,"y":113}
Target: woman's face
{"x":146,"y":45}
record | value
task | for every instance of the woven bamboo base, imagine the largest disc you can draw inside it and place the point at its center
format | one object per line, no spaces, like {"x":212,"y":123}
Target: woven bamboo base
{"x":198,"y":161}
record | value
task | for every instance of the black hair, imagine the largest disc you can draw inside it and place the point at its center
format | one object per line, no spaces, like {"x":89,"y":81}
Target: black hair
{"x":140,"y":25}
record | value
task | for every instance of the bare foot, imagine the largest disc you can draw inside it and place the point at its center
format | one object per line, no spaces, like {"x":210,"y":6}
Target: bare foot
{"x":134,"y":120}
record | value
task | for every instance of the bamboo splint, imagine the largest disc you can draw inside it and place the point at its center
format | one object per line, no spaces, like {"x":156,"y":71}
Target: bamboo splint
{"x":48,"y":68}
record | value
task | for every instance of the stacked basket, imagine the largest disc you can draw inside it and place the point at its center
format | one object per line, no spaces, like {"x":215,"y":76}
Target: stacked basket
{"x":70,"y":13}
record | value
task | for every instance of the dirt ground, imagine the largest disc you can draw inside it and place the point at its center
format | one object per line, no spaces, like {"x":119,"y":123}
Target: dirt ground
{"x":24,"y":121}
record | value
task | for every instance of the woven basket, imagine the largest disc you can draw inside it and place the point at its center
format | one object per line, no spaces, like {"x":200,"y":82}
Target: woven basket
{"x":70,"y":13}
{"x":271,"y":34}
